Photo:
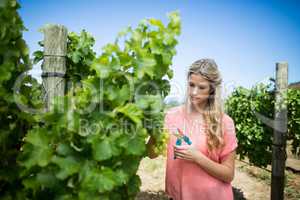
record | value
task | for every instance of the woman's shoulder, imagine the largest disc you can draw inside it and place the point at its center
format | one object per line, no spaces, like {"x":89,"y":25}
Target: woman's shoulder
{"x":176,"y":110}
{"x":226,"y":118}
{"x":174,"y":113}
{"x":228,"y":124}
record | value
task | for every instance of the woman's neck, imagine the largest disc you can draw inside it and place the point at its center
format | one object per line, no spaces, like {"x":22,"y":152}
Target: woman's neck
{"x":194,"y":112}
{"x":197,"y":109}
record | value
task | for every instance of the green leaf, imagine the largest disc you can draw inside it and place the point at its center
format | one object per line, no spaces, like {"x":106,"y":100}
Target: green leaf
{"x":136,"y":146}
{"x":102,"y":70}
{"x":146,"y":66}
{"x":110,"y":48}
{"x":38,"y":155}
{"x":39,"y":152}
{"x":75,"y":56}
{"x":84,"y":194}
{"x":157,"y":23}
{"x":131,"y":111}
{"x":102,"y":150}
{"x":64,"y":149}
{"x":46,"y":179}
{"x":174,"y":23}
{"x":38,"y":137}
{"x":31,"y":183}
{"x":122,"y":177}
{"x":170,"y":73}
{"x":99,"y":180}
{"x":68,"y":166}
{"x":108,"y":180}
{"x":135,"y":183}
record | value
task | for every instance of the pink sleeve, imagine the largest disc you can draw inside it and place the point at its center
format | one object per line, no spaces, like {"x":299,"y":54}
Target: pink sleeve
{"x":169,"y":121}
{"x":168,"y":124}
{"x":231,"y":142}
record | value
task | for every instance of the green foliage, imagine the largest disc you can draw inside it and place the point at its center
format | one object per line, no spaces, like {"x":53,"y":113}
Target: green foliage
{"x":246,"y":107}
{"x":80,"y":56}
{"x":91,"y":144}
{"x":14,"y":61}
{"x":293,"y":103}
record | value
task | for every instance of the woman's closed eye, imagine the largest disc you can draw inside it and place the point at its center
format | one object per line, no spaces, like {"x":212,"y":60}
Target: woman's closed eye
{"x":192,"y":85}
{"x":201,"y":87}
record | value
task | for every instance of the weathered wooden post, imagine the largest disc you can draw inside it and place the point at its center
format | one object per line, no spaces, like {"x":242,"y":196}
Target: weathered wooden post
{"x":54,"y":65}
{"x":280,"y":132}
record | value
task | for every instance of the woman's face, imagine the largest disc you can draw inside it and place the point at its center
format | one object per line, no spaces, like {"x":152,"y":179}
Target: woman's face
{"x":198,"y":89}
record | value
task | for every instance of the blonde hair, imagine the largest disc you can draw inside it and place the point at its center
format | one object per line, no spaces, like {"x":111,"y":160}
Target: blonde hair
{"x":213,"y":112}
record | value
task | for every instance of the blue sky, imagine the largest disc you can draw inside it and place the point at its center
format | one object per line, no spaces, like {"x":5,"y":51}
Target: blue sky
{"x":246,"y":38}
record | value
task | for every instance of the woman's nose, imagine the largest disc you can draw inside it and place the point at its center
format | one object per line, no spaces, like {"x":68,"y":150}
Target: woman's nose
{"x":194,"y":91}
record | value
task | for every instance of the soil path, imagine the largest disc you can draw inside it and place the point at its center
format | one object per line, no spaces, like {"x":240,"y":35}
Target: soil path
{"x":152,"y":174}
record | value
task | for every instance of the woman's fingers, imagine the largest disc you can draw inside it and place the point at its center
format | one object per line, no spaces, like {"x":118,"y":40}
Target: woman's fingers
{"x":182,"y":154}
{"x":183,"y":157}
{"x":179,"y":153}
{"x":183,"y":147}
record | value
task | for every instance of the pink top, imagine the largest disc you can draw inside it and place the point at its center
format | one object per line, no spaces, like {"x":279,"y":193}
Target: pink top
{"x":186,"y":180}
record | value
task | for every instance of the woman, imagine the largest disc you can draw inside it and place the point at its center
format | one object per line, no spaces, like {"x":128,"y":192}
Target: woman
{"x":204,"y":169}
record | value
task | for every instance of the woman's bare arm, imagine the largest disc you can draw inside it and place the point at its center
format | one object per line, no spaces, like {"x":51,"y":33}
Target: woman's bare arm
{"x":223,"y":170}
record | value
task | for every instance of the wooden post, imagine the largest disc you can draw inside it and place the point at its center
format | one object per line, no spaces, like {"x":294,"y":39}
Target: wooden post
{"x":280,"y":132}
{"x":54,"y":65}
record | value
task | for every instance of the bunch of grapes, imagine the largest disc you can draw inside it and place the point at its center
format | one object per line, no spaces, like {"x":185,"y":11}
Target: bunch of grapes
{"x":161,"y":143}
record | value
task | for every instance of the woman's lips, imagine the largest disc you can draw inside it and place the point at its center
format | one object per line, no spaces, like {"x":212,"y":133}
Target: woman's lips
{"x":195,"y":99}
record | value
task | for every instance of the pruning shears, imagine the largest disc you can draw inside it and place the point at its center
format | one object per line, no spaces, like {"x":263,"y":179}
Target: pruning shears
{"x":181,"y":137}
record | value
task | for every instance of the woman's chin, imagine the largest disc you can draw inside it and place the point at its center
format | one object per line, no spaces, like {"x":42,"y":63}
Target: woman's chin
{"x":195,"y":101}
{"x":196,"y":104}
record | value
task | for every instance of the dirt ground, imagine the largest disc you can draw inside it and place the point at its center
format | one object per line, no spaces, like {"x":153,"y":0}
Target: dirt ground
{"x":249,"y":182}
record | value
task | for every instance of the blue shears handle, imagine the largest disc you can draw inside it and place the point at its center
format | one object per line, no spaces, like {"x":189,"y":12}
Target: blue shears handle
{"x":179,"y":139}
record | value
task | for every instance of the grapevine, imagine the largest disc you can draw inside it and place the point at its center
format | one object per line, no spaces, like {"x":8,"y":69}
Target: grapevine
{"x":246,"y":106}
{"x":80,"y":153}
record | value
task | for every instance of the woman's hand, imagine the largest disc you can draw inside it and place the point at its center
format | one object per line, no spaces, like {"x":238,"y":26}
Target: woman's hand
{"x":187,"y":152}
